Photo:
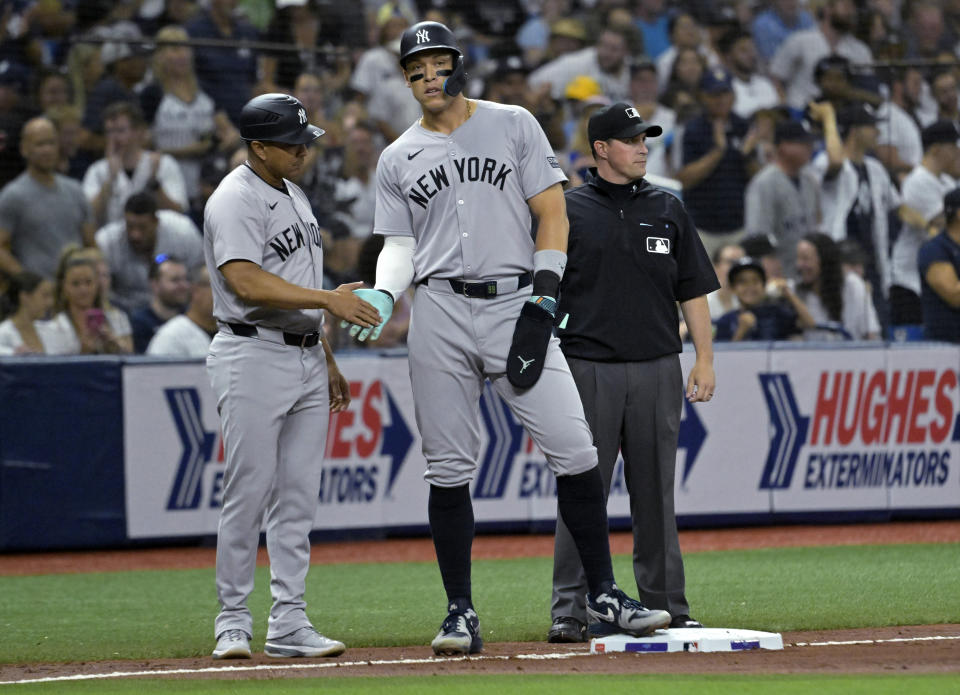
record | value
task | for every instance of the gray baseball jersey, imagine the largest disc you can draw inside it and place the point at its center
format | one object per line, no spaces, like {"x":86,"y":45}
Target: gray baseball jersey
{"x":463,"y":196}
{"x":272,"y":398}
{"x":248,"y":219}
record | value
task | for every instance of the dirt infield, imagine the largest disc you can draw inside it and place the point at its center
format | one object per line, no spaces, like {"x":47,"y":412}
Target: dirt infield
{"x":918,"y":649}
{"x":915,"y":649}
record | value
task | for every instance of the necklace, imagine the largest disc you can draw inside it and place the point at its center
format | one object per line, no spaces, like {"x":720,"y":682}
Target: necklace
{"x":471,"y":107}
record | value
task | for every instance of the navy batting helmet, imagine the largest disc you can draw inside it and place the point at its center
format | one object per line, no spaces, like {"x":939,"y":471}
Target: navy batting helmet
{"x":430,"y":36}
{"x":277,"y":118}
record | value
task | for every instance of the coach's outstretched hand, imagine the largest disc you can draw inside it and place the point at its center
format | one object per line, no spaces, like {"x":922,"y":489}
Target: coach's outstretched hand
{"x":345,"y":304}
{"x":382,"y":301}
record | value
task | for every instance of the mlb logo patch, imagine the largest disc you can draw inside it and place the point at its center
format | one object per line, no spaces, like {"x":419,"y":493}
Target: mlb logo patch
{"x":656,"y":244}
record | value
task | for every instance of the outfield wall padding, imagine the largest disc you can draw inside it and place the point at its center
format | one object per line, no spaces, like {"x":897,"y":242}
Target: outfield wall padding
{"x":112,"y":452}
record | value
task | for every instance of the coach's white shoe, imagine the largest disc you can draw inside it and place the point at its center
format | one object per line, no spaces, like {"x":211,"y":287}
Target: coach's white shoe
{"x":303,"y":642}
{"x":232,"y":644}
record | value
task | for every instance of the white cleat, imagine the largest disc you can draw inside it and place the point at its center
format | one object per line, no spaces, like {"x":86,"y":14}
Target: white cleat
{"x":232,"y":644}
{"x":303,"y":642}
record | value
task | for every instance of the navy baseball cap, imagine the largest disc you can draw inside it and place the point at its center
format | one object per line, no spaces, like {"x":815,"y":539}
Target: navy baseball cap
{"x":14,"y":75}
{"x":940,"y":132}
{"x":745,"y":263}
{"x":856,"y":115}
{"x":951,"y":203}
{"x":716,"y":80}
{"x":791,"y":131}
{"x":619,"y":121}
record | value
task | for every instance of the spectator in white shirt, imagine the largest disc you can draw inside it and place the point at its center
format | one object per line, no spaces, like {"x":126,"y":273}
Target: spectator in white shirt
{"x":606,"y":62}
{"x":85,"y":322}
{"x":923,"y":190}
{"x":752,"y":91}
{"x":128,"y":168}
{"x":188,"y":335}
{"x":793,"y":63}
{"x":684,"y":33}
{"x":899,"y":145}
{"x":839,"y":302}
{"x":30,"y":298}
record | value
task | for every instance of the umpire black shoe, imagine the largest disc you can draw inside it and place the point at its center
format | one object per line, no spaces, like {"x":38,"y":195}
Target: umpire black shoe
{"x":566,"y":630}
{"x":460,"y":632}
{"x":613,"y":612}
{"x":685,"y":621}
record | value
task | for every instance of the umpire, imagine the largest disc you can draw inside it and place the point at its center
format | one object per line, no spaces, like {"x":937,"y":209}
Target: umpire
{"x":633,"y":254}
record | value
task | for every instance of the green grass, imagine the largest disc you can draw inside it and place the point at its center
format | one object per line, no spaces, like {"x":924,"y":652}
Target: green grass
{"x":157,"y":614}
{"x":567,"y":684}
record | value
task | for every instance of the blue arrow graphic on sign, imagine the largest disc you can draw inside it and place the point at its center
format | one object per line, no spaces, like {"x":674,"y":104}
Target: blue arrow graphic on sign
{"x":692,"y":434}
{"x":197,"y":447}
{"x":788,"y":431}
{"x":504,"y":443}
{"x":396,"y":441}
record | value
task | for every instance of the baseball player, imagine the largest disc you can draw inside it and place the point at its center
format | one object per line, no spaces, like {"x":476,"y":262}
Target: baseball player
{"x":455,"y":194}
{"x":273,"y":374}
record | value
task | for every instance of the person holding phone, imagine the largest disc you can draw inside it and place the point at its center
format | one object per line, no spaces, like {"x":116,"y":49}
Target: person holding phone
{"x":83,"y":323}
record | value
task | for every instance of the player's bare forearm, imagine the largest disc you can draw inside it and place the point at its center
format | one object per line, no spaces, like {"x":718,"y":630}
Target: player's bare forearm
{"x":553,"y":227}
{"x":339,"y":387}
{"x":256,"y":286}
{"x":702,"y":380}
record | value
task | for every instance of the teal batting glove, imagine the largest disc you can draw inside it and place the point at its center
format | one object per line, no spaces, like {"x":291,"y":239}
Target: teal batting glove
{"x":382,"y":301}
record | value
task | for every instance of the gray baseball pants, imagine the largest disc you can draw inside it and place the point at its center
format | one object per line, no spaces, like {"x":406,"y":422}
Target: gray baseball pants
{"x":274,"y":412}
{"x":634,"y":407}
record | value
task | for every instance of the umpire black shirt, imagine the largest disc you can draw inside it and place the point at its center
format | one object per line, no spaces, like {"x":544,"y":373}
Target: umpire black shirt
{"x":633,"y":252}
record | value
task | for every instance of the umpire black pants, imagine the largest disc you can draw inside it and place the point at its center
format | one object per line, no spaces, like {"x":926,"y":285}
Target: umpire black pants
{"x":633,"y":407}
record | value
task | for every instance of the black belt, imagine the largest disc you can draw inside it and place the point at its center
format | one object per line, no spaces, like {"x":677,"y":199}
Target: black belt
{"x":303,"y":340}
{"x":486,"y":290}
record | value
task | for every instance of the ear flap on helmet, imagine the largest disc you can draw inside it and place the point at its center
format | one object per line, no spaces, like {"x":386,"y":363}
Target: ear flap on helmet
{"x":454,"y":84}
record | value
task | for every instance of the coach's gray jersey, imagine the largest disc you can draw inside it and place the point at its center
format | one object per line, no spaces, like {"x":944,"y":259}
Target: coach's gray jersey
{"x":463,"y":196}
{"x":248,"y":219}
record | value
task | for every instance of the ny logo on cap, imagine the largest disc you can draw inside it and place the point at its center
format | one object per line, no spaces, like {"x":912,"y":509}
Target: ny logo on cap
{"x":302,"y":115}
{"x":631,"y":113}
{"x":423,"y":36}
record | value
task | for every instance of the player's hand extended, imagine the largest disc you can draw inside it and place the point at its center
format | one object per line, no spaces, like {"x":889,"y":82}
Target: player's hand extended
{"x":345,"y":304}
{"x":383,"y":303}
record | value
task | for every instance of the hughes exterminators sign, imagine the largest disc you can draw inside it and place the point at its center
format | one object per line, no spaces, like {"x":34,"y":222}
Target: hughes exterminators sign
{"x":876,"y":425}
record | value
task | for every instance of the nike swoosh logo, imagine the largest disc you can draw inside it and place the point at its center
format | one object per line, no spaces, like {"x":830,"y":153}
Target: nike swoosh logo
{"x":272,"y":206}
{"x":643,"y":224}
{"x":411,"y":156}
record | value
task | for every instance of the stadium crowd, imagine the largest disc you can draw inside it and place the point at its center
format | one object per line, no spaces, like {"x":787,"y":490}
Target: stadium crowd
{"x":812,"y":142}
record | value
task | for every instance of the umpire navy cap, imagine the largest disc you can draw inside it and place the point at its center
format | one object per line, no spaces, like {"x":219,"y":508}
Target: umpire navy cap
{"x":745,"y":263}
{"x":277,"y":118}
{"x":939,"y":132}
{"x":619,"y":121}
